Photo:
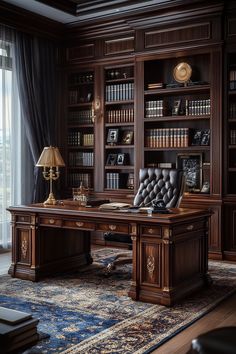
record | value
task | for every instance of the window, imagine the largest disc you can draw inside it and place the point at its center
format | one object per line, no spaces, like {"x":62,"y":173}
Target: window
{"x":10,"y":140}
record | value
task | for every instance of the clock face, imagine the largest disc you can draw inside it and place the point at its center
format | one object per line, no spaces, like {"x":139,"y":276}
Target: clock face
{"x":182,"y":72}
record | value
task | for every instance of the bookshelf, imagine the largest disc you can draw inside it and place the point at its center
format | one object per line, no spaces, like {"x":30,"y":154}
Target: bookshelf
{"x":177,"y":119}
{"x":119,"y":128}
{"x":231,"y":124}
{"x":80,"y":129}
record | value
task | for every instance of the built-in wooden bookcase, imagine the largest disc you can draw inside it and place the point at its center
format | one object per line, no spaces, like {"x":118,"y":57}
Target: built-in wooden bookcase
{"x":231,"y":124}
{"x":80,"y":129}
{"x":119,"y":141}
{"x":177,"y":119}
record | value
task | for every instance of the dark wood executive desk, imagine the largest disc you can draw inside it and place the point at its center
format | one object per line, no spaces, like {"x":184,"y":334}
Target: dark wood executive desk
{"x":169,"y":251}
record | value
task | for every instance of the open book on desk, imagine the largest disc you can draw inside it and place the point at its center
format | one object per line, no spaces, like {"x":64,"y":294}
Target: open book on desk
{"x":114,"y":206}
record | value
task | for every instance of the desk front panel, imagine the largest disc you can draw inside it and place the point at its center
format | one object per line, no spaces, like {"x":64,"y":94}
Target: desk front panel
{"x":169,"y":251}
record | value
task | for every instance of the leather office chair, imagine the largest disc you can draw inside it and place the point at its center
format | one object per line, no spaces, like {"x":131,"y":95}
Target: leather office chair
{"x":217,"y":341}
{"x":154,"y":184}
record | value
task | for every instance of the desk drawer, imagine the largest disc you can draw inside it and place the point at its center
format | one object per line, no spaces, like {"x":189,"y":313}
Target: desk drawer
{"x":23,"y":219}
{"x":150,"y":231}
{"x":189,"y":227}
{"x":79,"y":224}
{"x":50,"y":221}
{"x":113,"y":227}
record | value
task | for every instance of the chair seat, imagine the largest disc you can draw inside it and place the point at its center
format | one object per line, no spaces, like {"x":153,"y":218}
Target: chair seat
{"x":217,"y":341}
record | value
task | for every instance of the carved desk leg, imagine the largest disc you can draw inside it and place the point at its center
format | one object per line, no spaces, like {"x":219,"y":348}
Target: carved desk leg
{"x":133,"y":292}
{"x":24,"y":238}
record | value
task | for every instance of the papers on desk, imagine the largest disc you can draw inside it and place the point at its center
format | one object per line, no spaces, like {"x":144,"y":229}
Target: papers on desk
{"x":114,"y":206}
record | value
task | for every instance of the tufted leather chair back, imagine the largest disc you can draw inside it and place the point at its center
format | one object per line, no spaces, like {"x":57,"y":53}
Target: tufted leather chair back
{"x":160,"y":183}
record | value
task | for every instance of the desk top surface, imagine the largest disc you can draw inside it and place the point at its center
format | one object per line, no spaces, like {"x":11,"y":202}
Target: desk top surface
{"x":73,"y":209}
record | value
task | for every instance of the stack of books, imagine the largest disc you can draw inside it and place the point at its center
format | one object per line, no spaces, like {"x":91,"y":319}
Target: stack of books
{"x":155,"y":85}
{"x":18,"y":330}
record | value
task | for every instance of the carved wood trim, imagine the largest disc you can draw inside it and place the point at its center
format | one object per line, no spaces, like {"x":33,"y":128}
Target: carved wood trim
{"x":231,"y":28}
{"x":119,"y":45}
{"x":190,"y":33}
{"x":80,"y":52}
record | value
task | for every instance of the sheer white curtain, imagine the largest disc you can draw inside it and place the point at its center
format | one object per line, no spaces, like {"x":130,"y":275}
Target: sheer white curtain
{"x":12,"y":140}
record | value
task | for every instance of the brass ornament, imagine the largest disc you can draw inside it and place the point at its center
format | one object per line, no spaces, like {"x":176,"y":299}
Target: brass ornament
{"x":182,"y":72}
{"x":150,"y":265}
{"x":24,"y":248}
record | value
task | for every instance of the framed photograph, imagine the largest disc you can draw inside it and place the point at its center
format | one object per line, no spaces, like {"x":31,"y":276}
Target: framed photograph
{"x":112,"y":136}
{"x":122,"y":159}
{"x":197,"y":137}
{"x":127,"y":137}
{"x":176,"y":107}
{"x":111,"y":159}
{"x":191,"y":164}
{"x":205,"y":137}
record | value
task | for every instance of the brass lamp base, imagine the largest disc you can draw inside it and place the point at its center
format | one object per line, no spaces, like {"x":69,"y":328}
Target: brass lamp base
{"x":51,"y":200}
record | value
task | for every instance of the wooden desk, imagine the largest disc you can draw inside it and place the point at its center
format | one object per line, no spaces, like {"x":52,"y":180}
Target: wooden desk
{"x":169,"y":251}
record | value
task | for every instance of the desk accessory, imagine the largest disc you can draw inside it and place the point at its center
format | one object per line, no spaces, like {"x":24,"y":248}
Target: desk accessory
{"x":50,"y":159}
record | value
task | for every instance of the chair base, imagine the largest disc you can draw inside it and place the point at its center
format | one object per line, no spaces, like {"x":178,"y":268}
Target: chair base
{"x":120,"y":259}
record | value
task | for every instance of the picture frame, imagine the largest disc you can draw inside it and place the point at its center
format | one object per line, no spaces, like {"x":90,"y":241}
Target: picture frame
{"x":127,"y":137}
{"x":205,"y":137}
{"x":196,"y":137}
{"x":121,"y":159}
{"x":112,"y":136}
{"x":111,"y":159}
{"x":176,"y":107}
{"x":191,"y":164}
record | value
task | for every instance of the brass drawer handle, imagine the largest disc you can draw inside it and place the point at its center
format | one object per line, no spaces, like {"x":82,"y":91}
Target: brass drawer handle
{"x":51,"y":221}
{"x":150,"y":231}
{"x":112,"y":227}
{"x":190,"y":227}
{"x":78,"y":223}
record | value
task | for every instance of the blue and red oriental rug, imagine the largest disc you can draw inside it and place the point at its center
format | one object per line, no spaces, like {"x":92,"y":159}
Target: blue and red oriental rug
{"x":88,"y":312}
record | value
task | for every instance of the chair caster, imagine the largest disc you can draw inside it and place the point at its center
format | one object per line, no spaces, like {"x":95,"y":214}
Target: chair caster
{"x":109,"y":268}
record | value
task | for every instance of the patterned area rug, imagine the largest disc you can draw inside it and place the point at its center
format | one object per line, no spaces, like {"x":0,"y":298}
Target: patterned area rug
{"x":88,"y":312}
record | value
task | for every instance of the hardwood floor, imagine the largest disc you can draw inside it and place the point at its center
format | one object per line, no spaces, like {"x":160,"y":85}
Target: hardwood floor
{"x":223,"y":315}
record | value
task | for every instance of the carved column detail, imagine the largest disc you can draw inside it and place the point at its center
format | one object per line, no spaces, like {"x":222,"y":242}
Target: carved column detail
{"x":150,"y":265}
{"x":24,"y":248}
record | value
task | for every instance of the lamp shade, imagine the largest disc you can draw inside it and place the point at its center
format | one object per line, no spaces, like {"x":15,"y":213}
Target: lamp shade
{"x":50,"y":157}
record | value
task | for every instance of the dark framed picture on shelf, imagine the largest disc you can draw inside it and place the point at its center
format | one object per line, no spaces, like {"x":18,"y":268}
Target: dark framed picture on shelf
{"x":111,"y":159}
{"x":122,"y":159}
{"x":197,"y":137}
{"x":176,"y":107}
{"x":112,"y":136}
{"x":205,"y":137}
{"x":191,"y":164}
{"x":127,"y":137}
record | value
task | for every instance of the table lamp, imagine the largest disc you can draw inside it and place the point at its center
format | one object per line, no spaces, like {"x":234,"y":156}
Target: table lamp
{"x":50,"y":159}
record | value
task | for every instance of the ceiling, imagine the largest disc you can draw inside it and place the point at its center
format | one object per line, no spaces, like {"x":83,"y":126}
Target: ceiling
{"x":82,"y":11}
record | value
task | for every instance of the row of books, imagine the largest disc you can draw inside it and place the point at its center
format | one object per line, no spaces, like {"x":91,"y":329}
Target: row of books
{"x":81,"y":117}
{"x":76,"y":138}
{"x":75,"y":179}
{"x":232,"y":80}
{"x":198,"y":107}
{"x":167,"y":137}
{"x":155,"y":109}
{"x":80,"y":158}
{"x":79,"y":78}
{"x":76,"y":96}
{"x":120,"y":92}
{"x":233,"y":137}
{"x":116,"y":180}
{"x":120,"y":116}
{"x":232,"y":110}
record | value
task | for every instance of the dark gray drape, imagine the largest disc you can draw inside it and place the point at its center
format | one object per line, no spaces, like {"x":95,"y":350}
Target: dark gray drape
{"x":36,"y":76}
